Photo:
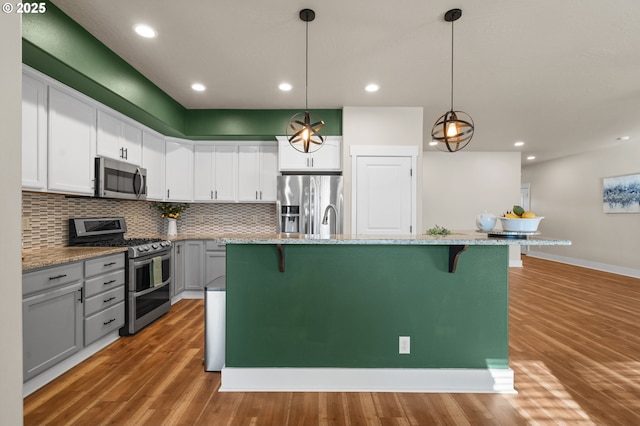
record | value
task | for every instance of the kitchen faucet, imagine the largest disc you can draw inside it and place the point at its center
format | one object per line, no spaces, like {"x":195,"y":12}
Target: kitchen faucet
{"x":325,"y":219}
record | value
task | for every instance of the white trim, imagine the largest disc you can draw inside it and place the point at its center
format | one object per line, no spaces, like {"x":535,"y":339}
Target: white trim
{"x":515,"y":263}
{"x":605,"y":267}
{"x":57,"y":370}
{"x":441,"y":380}
{"x":412,"y":151}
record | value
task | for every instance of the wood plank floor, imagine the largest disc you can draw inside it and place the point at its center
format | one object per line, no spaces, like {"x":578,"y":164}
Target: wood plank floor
{"x":574,"y":348}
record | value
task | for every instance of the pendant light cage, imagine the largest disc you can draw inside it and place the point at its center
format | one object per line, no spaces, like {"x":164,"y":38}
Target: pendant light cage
{"x":454,"y":129}
{"x":303,"y":129}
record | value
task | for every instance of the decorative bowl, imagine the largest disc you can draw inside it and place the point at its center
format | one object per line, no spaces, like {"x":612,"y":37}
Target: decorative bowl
{"x":520,"y":224}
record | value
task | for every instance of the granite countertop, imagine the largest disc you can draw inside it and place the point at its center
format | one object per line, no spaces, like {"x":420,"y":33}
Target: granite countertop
{"x":456,"y":238}
{"x":40,"y":258}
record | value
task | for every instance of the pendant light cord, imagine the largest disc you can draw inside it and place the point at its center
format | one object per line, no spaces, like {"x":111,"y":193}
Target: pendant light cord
{"x":306,"y":69}
{"x":452,"y":65}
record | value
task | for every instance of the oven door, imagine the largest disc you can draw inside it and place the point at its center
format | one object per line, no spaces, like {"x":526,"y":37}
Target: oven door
{"x":141,"y":277}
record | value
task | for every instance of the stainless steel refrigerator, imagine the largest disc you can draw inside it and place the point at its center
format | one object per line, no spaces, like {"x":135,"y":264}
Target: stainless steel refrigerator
{"x":310,"y":205}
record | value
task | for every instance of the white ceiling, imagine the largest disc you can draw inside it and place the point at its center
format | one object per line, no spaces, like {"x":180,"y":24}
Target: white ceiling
{"x":562,"y":76}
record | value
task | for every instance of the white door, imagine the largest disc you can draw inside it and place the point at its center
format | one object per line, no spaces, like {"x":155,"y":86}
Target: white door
{"x":525,"y":203}
{"x":383,"y":199}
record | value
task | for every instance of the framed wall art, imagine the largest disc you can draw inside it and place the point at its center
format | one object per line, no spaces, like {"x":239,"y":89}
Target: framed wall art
{"x":621,"y":194}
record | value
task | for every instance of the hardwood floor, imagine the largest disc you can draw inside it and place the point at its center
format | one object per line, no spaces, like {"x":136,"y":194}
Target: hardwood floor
{"x":574,"y":348}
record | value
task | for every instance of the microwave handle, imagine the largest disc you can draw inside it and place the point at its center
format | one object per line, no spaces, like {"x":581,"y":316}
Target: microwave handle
{"x":142,"y":182}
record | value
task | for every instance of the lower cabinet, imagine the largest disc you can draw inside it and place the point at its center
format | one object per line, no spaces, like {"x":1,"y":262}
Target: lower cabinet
{"x":194,"y":265}
{"x":51,"y":318}
{"x":177,"y":278}
{"x":68,"y":307}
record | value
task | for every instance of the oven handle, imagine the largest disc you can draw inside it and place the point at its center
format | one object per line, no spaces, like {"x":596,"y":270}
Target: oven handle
{"x":149,"y":290}
{"x":137,"y":263}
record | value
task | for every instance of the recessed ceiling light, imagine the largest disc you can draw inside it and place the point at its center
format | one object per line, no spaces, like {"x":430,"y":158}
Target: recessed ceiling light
{"x":531,"y":157}
{"x":433,"y":143}
{"x":145,"y":31}
{"x":198,"y":87}
{"x":623,"y":138}
{"x":285,"y":87}
{"x":519,"y":143}
{"x":372,"y":87}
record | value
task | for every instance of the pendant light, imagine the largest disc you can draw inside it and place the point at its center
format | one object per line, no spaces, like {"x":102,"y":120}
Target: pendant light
{"x":454,"y":129}
{"x":303,"y":130}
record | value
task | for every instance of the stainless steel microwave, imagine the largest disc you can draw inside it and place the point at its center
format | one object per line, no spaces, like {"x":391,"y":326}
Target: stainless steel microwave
{"x":117,"y":179}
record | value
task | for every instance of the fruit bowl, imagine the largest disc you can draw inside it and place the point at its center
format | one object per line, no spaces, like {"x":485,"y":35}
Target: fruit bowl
{"x":520,"y":224}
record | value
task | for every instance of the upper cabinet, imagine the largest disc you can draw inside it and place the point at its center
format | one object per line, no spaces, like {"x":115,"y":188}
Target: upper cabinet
{"x":34,"y":133}
{"x":153,"y":161}
{"x":215,"y":172}
{"x":327,"y":158}
{"x":179,"y":170}
{"x":72,"y":141}
{"x":258,"y":168}
{"x":118,"y":139}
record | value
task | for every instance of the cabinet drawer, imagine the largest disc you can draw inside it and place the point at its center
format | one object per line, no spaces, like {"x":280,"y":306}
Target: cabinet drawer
{"x":103,"y":323}
{"x":104,"y":264}
{"x":103,"y":300}
{"x":213,"y":245}
{"x":48,"y":278}
{"x":104,"y":282}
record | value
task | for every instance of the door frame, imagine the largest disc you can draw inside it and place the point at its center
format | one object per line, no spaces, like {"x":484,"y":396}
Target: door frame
{"x":411,"y":151}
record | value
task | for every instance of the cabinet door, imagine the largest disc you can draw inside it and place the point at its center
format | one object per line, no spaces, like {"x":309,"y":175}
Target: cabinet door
{"x":248,"y":173}
{"x":51,"y":328}
{"x":132,"y":143}
{"x":72,"y":140}
{"x":193,"y":268}
{"x":268,"y":173}
{"x":329,"y":156}
{"x":109,"y":136}
{"x":289,"y":158}
{"x":178,"y":268}
{"x":153,"y":161}
{"x":203,"y":176}
{"x":215,"y":265}
{"x":34,"y":133}
{"x":225,"y":173}
{"x":179,"y":171}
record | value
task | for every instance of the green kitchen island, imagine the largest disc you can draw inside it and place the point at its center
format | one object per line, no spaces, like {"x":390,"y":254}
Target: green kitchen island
{"x":369,"y":313}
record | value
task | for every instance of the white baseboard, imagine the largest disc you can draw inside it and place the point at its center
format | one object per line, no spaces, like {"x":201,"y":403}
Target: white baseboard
{"x":57,"y":370}
{"x":629,"y":272}
{"x":441,"y":380}
{"x":191,"y":294}
{"x":515,"y":263}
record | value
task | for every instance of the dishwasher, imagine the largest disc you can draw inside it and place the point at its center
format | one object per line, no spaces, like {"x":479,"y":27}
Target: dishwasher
{"x":214,"y":324}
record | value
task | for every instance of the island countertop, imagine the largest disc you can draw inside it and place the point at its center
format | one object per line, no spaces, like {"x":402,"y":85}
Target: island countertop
{"x":455,"y":238}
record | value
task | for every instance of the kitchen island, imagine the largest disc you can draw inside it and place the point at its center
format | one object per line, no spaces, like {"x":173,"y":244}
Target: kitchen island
{"x":369,"y":313}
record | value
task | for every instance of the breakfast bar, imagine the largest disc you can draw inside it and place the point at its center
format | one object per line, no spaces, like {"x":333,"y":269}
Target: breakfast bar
{"x":369,"y":313}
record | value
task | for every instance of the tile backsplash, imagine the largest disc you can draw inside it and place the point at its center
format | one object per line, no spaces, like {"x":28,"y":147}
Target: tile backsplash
{"x":46,"y":217}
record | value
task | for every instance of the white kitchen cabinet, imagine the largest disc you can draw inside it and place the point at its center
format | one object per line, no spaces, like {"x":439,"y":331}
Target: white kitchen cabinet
{"x":326,"y":159}
{"x":118,"y":139}
{"x":34,"y":133}
{"x":72,"y":141}
{"x":257,"y":170}
{"x":194,"y":265}
{"x":179,"y":170}
{"x":153,"y":161}
{"x":215,"y":172}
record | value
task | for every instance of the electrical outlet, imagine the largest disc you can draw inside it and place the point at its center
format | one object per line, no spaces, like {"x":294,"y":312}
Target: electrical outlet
{"x":26,"y":223}
{"x":201,"y":219}
{"x":404,"y":345}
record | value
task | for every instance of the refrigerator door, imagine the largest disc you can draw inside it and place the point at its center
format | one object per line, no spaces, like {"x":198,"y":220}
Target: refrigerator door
{"x":293,"y":204}
{"x":330,"y":206}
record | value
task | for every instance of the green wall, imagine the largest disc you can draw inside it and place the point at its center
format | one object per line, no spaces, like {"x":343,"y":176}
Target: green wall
{"x":345,"y":306}
{"x":57,"y":46}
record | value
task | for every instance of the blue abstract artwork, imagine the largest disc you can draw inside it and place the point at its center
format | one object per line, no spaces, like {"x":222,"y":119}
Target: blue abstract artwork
{"x":621,"y":194}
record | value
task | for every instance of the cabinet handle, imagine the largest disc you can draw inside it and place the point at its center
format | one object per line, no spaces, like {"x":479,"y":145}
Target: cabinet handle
{"x":81,"y":290}
{"x":109,"y":264}
{"x":311,"y":161}
{"x":261,"y":195}
{"x":216,"y":194}
{"x":212,"y":195}
{"x":109,"y":322}
{"x":109,"y":299}
{"x":126,"y":153}
{"x":256,"y":195}
{"x":109,"y":282}
{"x":168,"y":193}
{"x":57,"y":276}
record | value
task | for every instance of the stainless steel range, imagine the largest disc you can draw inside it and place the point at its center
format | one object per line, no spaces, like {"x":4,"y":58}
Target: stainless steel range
{"x":148,"y":267}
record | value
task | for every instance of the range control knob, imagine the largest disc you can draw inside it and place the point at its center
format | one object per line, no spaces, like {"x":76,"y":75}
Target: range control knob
{"x":154,"y":246}
{"x":165,"y":243}
{"x":144,"y":248}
